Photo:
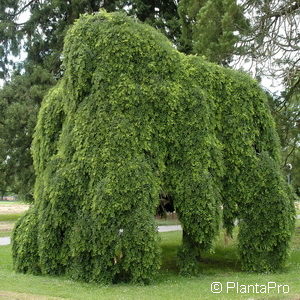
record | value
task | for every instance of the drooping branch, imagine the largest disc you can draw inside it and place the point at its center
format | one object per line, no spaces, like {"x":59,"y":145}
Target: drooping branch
{"x":286,"y":9}
{"x":292,"y":150}
{"x":22,"y":9}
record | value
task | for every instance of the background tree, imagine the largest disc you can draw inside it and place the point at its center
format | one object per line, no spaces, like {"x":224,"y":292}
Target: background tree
{"x":44,"y":30}
{"x":212,"y":28}
{"x":272,"y":50}
{"x":286,"y":111}
{"x":20,"y":102}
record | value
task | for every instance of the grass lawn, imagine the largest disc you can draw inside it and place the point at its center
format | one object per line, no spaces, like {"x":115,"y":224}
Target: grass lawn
{"x":220,"y":266}
{"x":7,"y":224}
{"x":9,"y":202}
{"x":5,"y":233}
{"x":13,"y":203}
{"x":10,"y":217}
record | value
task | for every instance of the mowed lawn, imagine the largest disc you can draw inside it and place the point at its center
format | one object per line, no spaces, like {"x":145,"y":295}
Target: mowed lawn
{"x":221,"y":266}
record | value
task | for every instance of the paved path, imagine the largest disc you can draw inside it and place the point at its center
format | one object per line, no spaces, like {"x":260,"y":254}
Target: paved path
{"x":169,"y":228}
{"x":4,"y":241}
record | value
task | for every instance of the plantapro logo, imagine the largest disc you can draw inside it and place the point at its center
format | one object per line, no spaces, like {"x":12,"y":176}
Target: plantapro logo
{"x":233,"y":286}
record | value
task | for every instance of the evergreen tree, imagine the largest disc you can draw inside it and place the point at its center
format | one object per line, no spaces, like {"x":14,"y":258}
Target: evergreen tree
{"x":20,"y":102}
{"x":212,"y":28}
{"x":43,"y":33}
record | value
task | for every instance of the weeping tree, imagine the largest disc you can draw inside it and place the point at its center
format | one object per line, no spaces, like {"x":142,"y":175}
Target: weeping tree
{"x":132,"y":118}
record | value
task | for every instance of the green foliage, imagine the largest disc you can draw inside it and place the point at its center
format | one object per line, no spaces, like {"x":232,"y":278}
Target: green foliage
{"x":265,"y":233}
{"x":295,"y":175}
{"x":130,"y":119}
{"x":286,"y":113}
{"x":43,"y":32}
{"x":10,"y":217}
{"x":26,"y":244}
{"x":41,"y":37}
{"x":211,"y":28}
{"x":20,"y":101}
{"x":216,"y":29}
